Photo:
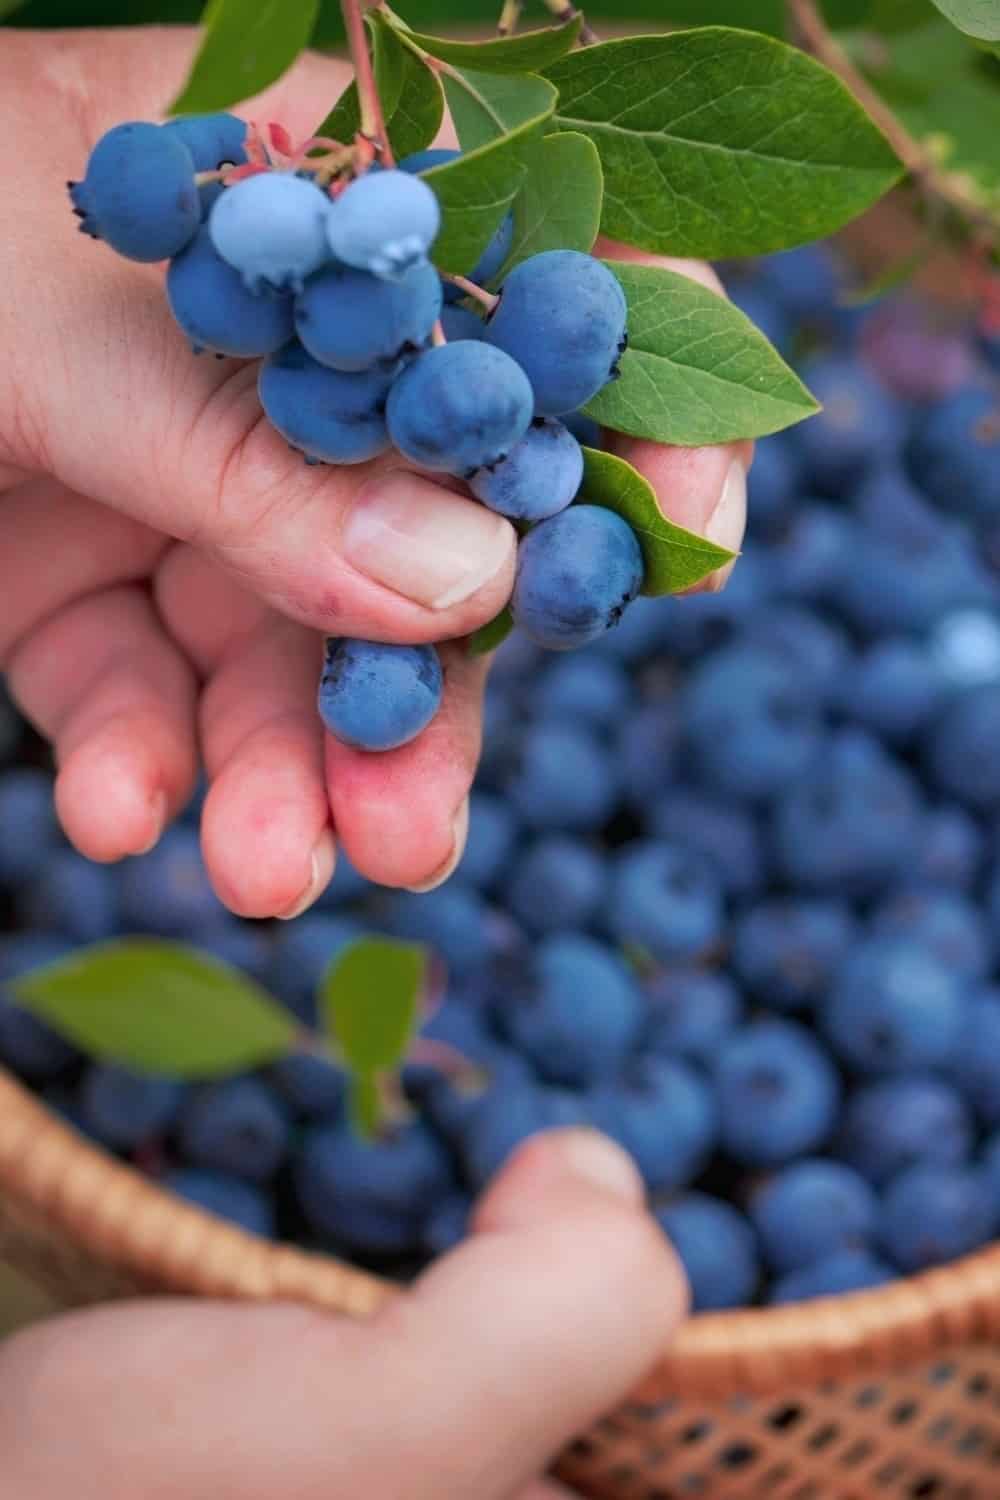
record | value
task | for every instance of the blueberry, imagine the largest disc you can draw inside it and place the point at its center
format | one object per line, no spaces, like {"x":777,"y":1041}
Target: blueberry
{"x":557,"y":884}
{"x":953,"y":453}
{"x":812,"y":553}
{"x":991,"y":1164}
{"x":804,"y":643}
{"x":373,"y":696}
{"x":692,"y":624}
{"x":227,"y":1197}
{"x":961,"y":749}
{"x":722,"y":832}
{"x":502,"y":1118}
{"x":751,"y":722}
{"x":772,"y":485}
{"x":496,"y":251}
{"x":559,"y":778}
{"x":492,"y":837}
{"x":585,"y":688}
{"x":572,"y":1007}
{"x":123,"y":1109}
{"x":811,"y":1209}
{"x":453,"y":920}
{"x":662,"y":1110}
{"x":313,"y":1086}
{"x":717,"y":1249}
{"x":778,"y":1093}
{"x":647,"y":749}
{"x":950,"y":852}
{"x":385,"y":223}
{"x":576,"y":574}
{"x":10,"y":726}
{"x":851,"y":821}
{"x":351,"y":320}
{"x":588,"y":433}
{"x":964,"y":648}
{"x":539,"y":477}
{"x":915,"y":359}
{"x":167,"y":891}
{"x":214,"y":141}
{"x":639,"y":632}
{"x":459,"y":323}
{"x":843,"y":1271}
{"x":976,"y":1063}
{"x":562,"y":316}
{"x":690,"y":1012}
{"x":786,"y":950}
{"x":139,"y":192}
{"x":899,"y":1122}
{"x":861,"y":424}
{"x":211,"y":304}
{"x":893,"y":690}
{"x":335,"y":417}
{"x":805,"y":281}
{"x":74,"y":897}
{"x":346,"y":886}
{"x":459,"y":408}
{"x":28,"y":828}
{"x":946,"y":922}
{"x":665,"y":900}
{"x":935,"y":1214}
{"x":27,"y":1044}
{"x":271,"y":228}
{"x":763,"y":309}
{"x":302,"y":952}
{"x":243,"y":945}
{"x":447,"y":1225}
{"x":370,"y":1197}
{"x":895,"y":1007}
{"x":236,"y":1126}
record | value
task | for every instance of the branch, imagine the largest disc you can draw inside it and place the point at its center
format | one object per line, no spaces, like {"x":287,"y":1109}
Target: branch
{"x":372,"y":119}
{"x":509,"y":17}
{"x":565,"y":10}
{"x":941,"y":188}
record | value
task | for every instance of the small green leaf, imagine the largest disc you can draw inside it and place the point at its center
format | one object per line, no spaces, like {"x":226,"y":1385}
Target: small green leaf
{"x":365,"y":1100}
{"x":410,"y":94}
{"x":370,"y":1001}
{"x":476,"y":190}
{"x":160,"y":1007}
{"x":717,"y":142}
{"x":978,"y":18}
{"x":675,"y":559}
{"x":696,"y":370}
{"x":559,"y":206}
{"x":417,"y":117}
{"x":488,"y":637}
{"x":528,"y":52}
{"x":485,"y":106}
{"x":247,"y":45}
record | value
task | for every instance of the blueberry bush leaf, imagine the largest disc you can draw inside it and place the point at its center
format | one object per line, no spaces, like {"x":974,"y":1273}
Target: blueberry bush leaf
{"x":696,"y":370}
{"x":247,"y":44}
{"x":491,"y":635}
{"x":477,"y":189}
{"x":370,"y":1001}
{"x":559,"y":206}
{"x":719,"y":142}
{"x":419,"y":111}
{"x":674,"y":558}
{"x":978,"y":18}
{"x":528,"y":52}
{"x":365,"y":1102}
{"x":486,"y":106}
{"x":160,"y":1007}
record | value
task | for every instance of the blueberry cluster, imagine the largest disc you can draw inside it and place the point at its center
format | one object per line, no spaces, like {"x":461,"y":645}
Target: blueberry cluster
{"x":731,"y":893}
{"x":325,"y":276}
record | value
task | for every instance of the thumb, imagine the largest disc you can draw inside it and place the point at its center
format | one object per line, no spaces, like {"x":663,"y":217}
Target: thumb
{"x":561,"y":1301}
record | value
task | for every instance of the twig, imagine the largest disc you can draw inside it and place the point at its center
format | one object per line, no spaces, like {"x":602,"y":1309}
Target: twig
{"x":438,"y":335}
{"x":938,"y":186}
{"x":509,"y":17}
{"x":488,"y":300}
{"x":372,"y":119}
{"x":564,"y":10}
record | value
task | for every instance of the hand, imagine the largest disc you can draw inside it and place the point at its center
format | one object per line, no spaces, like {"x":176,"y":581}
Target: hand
{"x":465,"y":1387}
{"x":167,"y":564}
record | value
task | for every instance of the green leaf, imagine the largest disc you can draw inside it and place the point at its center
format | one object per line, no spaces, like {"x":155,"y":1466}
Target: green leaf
{"x":559,"y":206}
{"x":365,"y":1101}
{"x":247,"y":45}
{"x":476,"y":190}
{"x":412,"y":103}
{"x":417,"y":117}
{"x":527,"y":53}
{"x":485,"y":106}
{"x":978,"y":18}
{"x":370,"y":1000}
{"x":160,"y":1007}
{"x":718,"y":142}
{"x":488,"y":637}
{"x":696,"y":370}
{"x":675,"y":559}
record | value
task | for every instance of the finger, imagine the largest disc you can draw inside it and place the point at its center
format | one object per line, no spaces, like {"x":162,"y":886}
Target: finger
{"x":100,"y":679}
{"x":402,"y":816}
{"x":703,"y":489}
{"x":266,"y":837}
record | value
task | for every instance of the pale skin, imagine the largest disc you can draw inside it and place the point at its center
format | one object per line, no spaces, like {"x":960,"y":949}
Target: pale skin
{"x":167,"y":570}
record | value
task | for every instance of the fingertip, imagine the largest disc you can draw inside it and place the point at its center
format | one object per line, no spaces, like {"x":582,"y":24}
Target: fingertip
{"x":109,"y":798}
{"x":554,"y":1172}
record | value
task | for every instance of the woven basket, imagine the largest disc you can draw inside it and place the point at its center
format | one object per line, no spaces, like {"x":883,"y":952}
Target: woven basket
{"x":891,"y":1393}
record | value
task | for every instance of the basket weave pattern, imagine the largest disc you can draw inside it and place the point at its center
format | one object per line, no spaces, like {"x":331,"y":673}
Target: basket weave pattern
{"x":891,"y":1393}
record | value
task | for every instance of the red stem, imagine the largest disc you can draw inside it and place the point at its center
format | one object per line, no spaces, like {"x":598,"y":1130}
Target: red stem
{"x":372,"y":120}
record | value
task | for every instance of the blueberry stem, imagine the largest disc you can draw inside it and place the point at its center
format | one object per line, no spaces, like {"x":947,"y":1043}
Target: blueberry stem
{"x":565,"y":12}
{"x":438,"y":335}
{"x":372,"y":119}
{"x":488,"y":299}
{"x":509,"y":17}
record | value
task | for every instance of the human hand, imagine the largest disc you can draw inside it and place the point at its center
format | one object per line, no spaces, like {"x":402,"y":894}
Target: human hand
{"x":465,"y":1387}
{"x":167,"y":565}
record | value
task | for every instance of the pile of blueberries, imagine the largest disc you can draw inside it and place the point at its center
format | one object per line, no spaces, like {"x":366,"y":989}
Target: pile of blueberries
{"x":731,"y":892}
{"x":366,"y":347}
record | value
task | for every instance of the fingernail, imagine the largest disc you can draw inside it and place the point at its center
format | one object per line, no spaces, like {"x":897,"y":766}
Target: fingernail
{"x":423,"y":541}
{"x":728,"y":521}
{"x":158,"y":817}
{"x":604,"y":1164}
{"x":324,"y":857}
{"x":460,"y":832}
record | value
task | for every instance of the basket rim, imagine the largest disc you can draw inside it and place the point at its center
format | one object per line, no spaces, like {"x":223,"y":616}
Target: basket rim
{"x":122,"y":1218}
